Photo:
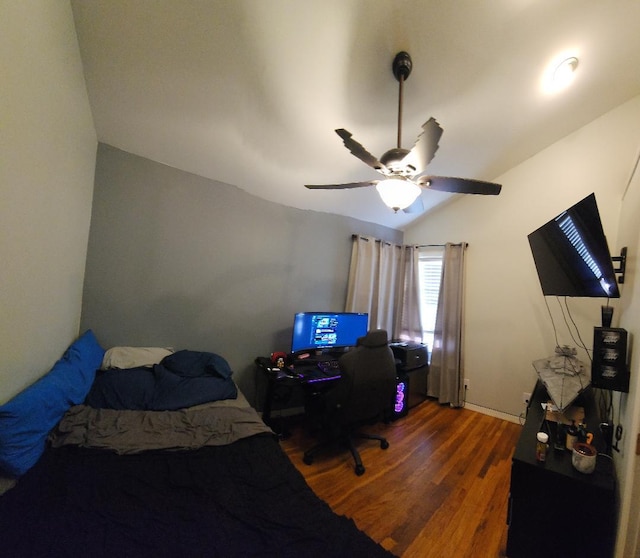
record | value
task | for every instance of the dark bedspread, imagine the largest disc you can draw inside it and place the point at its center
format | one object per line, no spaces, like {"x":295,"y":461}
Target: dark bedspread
{"x":181,"y":380}
{"x":241,"y":500}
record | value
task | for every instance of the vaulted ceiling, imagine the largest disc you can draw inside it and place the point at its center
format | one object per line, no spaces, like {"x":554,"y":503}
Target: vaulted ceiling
{"x":249,"y":92}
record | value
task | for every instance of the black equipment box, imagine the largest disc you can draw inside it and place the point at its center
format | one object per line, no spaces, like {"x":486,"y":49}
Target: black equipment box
{"x":410,"y":355}
{"x":609,"y":368}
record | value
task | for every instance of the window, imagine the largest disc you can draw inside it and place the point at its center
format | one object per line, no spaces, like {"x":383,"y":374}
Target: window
{"x":430,"y":269}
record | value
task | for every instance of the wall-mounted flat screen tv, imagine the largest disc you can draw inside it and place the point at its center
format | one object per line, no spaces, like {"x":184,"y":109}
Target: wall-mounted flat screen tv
{"x":314,"y":331}
{"x":572,"y":256}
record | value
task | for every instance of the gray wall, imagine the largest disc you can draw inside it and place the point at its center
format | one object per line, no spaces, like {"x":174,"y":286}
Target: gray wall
{"x":178,"y":260}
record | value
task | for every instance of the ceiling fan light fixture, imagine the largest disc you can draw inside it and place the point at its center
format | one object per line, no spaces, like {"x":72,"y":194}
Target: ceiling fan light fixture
{"x":397,"y":193}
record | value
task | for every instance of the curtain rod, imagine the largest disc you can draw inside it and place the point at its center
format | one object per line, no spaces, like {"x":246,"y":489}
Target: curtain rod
{"x":465,"y":244}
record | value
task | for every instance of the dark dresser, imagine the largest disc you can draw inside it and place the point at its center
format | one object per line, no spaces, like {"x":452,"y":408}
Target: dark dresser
{"x":554,"y":510}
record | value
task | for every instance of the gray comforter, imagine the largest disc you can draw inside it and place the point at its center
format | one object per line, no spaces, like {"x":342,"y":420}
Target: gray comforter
{"x":125,"y":432}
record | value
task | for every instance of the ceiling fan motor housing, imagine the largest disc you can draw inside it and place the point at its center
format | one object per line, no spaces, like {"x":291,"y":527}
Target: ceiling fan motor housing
{"x":394,"y":161}
{"x":402,"y":65}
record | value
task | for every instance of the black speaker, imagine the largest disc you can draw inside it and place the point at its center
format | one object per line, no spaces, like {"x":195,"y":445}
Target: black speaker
{"x":609,"y":368}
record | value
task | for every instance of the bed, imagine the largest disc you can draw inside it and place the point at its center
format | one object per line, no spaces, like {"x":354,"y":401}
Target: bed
{"x":203,"y":479}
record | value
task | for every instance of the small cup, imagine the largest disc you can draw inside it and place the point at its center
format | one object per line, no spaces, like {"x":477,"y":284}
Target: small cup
{"x":584,"y":457}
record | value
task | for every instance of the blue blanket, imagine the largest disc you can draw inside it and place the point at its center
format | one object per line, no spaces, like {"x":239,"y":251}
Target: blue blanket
{"x":26,"y":420}
{"x":181,"y":380}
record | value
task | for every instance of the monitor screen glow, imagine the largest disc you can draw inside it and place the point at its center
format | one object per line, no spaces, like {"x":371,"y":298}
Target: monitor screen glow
{"x":315,"y":331}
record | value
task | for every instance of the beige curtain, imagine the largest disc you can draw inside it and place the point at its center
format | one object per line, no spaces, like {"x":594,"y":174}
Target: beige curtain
{"x":383,"y":281}
{"x":446,"y":374}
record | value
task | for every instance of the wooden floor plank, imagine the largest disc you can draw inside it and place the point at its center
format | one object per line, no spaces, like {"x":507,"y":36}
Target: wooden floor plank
{"x":441,"y":489}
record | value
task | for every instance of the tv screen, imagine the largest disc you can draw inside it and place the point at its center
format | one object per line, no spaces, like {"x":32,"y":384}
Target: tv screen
{"x":571,"y":254}
{"x":325,"y":330}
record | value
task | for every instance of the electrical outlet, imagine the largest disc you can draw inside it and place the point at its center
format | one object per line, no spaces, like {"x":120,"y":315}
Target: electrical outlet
{"x":466,"y":383}
{"x":526,"y":397}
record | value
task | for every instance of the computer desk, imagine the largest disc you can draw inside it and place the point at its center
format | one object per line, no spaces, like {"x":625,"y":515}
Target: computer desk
{"x":305,"y":374}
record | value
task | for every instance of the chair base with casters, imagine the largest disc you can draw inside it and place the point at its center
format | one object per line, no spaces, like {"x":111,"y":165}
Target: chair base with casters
{"x":364,"y":395}
{"x":348,"y":441}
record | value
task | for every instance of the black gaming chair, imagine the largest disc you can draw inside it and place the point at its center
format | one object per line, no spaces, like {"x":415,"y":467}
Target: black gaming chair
{"x":365,"y":394}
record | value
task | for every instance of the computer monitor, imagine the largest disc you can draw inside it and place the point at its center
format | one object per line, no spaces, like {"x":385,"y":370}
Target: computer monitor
{"x":320,"y":331}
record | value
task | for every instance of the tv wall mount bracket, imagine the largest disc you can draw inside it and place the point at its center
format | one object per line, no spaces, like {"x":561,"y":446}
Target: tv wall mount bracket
{"x":622,"y":260}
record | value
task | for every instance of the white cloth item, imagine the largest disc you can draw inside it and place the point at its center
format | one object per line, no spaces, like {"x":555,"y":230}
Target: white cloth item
{"x":133,"y":357}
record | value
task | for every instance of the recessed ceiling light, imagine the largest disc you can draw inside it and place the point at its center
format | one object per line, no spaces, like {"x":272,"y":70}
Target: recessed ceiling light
{"x":559,"y":73}
{"x":563,"y":73}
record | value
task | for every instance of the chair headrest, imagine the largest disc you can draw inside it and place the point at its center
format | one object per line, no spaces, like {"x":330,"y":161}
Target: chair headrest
{"x":374,"y":338}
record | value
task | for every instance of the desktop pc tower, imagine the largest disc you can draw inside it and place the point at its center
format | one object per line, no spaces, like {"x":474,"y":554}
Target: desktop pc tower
{"x":412,"y":368}
{"x":401,"y":403}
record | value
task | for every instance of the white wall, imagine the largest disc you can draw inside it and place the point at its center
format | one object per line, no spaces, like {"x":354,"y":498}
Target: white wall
{"x":507,"y":323}
{"x":47,"y":159}
{"x":627,"y":462}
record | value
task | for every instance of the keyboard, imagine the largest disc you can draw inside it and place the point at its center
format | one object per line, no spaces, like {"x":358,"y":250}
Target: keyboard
{"x":322,"y":371}
{"x":329,"y":366}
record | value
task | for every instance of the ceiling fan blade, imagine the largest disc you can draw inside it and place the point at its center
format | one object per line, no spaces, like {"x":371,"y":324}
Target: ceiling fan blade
{"x":359,"y":151}
{"x":425,"y":146}
{"x":341,"y":186}
{"x":459,"y":185}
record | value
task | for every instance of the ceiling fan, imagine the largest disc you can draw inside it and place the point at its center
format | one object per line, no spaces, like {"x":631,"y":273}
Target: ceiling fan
{"x":404,"y":169}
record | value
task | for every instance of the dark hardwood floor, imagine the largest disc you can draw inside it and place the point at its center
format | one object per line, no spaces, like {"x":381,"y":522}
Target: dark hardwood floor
{"x":439,"y":490}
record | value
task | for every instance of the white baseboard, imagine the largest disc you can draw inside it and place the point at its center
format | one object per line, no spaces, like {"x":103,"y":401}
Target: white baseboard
{"x":477,"y":408}
{"x":492,"y":413}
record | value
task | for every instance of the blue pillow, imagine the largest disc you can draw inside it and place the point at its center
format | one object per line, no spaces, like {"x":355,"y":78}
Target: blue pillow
{"x":25,"y":421}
